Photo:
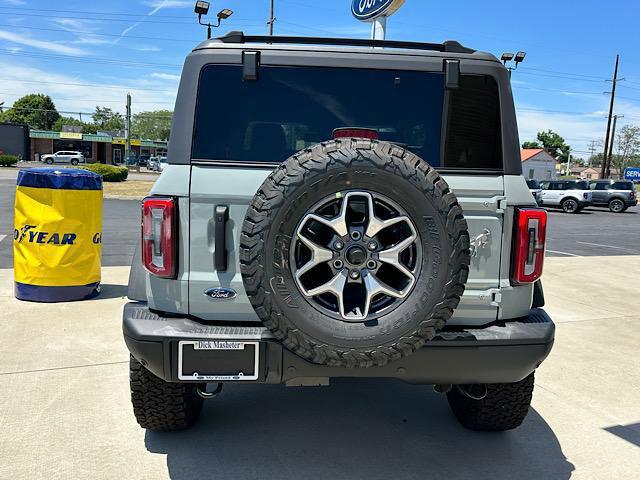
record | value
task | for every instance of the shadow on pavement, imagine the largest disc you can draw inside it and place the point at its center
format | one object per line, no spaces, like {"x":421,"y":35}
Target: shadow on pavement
{"x":108,"y":290}
{"x":630,"y":433}
{"x":368,"y":429}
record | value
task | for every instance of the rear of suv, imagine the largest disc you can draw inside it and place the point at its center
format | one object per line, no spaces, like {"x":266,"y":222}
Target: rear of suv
{"x":328,"y":210}
{"x":617,"y":195}
{"x":569,"y":195}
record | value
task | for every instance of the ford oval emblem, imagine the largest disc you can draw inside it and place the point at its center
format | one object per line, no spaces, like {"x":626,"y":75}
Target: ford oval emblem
{"x":220,"y":293}
{"x":367,"y":10}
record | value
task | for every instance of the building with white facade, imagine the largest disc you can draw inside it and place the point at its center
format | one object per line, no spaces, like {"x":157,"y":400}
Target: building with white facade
{"x":537,"y":164}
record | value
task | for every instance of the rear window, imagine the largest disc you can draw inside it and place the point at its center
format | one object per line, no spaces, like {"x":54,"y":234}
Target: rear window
{"x":290,"y":108}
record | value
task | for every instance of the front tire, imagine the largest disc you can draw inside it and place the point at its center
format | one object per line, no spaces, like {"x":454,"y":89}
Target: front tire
{"x":504,"y":406}
{"x":616,"y":206}
{"x":570,"y":205}
{"x":48,"y":161}
{"x":74,"y":162}
{"x":162,"y":406}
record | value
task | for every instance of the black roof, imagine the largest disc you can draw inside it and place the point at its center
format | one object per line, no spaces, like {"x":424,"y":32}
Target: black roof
{"x":449,"y":46}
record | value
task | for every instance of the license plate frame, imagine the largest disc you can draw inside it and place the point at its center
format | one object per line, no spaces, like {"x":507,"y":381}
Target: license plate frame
{"x":218,"y":346}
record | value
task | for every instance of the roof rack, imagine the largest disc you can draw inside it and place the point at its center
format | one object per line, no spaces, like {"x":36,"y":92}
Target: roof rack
{"x":448,"y":46}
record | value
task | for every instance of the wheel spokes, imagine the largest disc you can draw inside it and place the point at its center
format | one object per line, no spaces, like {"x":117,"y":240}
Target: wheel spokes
{"x":318,"y":254}
{"x":334,"y":286}
{"x":358,"y":275}
{"x":391,"y":256}
{"x":376,"y":225}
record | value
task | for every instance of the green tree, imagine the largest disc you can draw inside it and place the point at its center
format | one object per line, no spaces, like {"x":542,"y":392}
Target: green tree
{"x":628,"y":147}
{"x":154,"y":125}
{"x":36,"y":109}
{"x":61,"y":121}
{"x":553,"y":143}
{"x":86,"y":127}
{"x":106,"y":119}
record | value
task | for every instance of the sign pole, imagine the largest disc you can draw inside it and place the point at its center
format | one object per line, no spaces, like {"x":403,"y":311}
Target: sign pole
{"x":379,"y":28}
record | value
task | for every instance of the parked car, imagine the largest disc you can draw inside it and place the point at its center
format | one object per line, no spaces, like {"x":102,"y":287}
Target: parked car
{"x":162,"y":163}
{"x":153,"y":164}
{"x":285,"y":244}
{"x":536,"y":191}
{"x":618,"y":195}
{"x":143,"y":160}
{"x":569,"y":195}
{"x":74,"y":158}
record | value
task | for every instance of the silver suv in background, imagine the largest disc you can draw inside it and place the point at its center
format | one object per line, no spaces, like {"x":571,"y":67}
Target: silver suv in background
{"x":618,"y":195}
{"x":536,"y":191}
{"x":74,"y":158}
{"x":570,"y":195}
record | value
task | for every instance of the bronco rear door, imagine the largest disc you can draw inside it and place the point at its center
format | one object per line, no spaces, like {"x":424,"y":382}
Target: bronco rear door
{"x":244,"y":127}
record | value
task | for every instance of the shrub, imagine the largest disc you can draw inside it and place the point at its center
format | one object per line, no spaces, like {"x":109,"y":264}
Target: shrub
{"x":8,"y":160}
{"x":109,"y":173}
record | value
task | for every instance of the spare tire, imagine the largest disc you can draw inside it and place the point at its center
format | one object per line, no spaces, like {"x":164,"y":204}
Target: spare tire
{"x":354,"y":253}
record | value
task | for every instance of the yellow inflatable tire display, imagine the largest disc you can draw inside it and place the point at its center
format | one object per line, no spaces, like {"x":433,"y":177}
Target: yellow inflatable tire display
{"x":57,"y":239}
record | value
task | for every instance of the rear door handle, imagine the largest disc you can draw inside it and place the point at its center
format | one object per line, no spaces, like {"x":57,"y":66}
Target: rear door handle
{"x":220,"y":253}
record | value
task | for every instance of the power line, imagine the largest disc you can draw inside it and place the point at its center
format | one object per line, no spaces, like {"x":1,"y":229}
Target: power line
{"x":138,"y":37}
{"x":527,"y":68}
{"x":80,"y":99}
{"x":91,"y":114}
{"x":105,"y":61}
{"x":93,"y":85}
{"x":91,"y":12}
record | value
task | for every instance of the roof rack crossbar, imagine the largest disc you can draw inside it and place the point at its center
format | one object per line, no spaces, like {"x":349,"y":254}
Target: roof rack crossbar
{"x":448,"y":46}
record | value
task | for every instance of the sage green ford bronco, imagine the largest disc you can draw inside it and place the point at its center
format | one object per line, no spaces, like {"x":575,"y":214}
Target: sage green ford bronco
{"x":339,"y":208}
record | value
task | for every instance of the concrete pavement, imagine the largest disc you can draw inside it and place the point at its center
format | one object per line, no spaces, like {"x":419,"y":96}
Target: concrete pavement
{"x":65,"y":411}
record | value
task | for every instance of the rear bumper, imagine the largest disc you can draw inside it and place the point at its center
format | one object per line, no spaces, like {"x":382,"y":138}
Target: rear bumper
{"x":495,"y":354}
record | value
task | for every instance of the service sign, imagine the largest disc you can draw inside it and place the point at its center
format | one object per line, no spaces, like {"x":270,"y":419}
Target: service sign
{"x":368,"y":10}
{"x":632,"y":174}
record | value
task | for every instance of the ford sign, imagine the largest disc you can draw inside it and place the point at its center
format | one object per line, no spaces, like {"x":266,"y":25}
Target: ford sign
{"x":367,"y":10}
{"x":632,"y":173}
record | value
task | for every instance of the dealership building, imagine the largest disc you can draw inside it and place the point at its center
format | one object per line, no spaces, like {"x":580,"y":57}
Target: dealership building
{"x":96,"y":148}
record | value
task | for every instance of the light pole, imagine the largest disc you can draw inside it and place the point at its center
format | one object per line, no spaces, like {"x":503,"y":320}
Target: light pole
{"x":272,"y":19}
{"x":202,"y":8}
{"x":518,"y":58}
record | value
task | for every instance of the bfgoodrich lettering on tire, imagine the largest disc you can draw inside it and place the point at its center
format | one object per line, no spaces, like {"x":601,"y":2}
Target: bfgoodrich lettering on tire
{"x":354,"y":253}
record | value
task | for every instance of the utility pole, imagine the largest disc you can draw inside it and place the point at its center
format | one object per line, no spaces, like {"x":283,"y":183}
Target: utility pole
{"x":271,"y":19}
{"x":568,"y":162}
{"x":605,"y":163}
{"x":592,"y":149}
{"x":613,"y":138}
{"x":127,"y":130}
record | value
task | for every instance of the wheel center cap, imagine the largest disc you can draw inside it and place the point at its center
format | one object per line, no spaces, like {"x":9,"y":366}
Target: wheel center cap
{"x":356,"y":255}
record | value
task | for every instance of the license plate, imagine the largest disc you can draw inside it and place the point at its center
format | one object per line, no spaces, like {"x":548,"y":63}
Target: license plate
{"x":218,"y":360}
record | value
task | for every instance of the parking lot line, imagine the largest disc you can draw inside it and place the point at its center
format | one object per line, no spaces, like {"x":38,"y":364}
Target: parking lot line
{"x":2,"y":237}
{"x":563,"y":253}
{"x":611,"y":246}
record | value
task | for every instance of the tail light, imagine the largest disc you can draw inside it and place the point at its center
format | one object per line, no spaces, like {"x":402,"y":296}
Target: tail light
{"x":159,"y":238}
{"x":356,"y":133}
{"x":529,"y":242}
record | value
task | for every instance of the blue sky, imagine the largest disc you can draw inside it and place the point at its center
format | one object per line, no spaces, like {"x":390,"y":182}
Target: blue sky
{"x":89,"y":53}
